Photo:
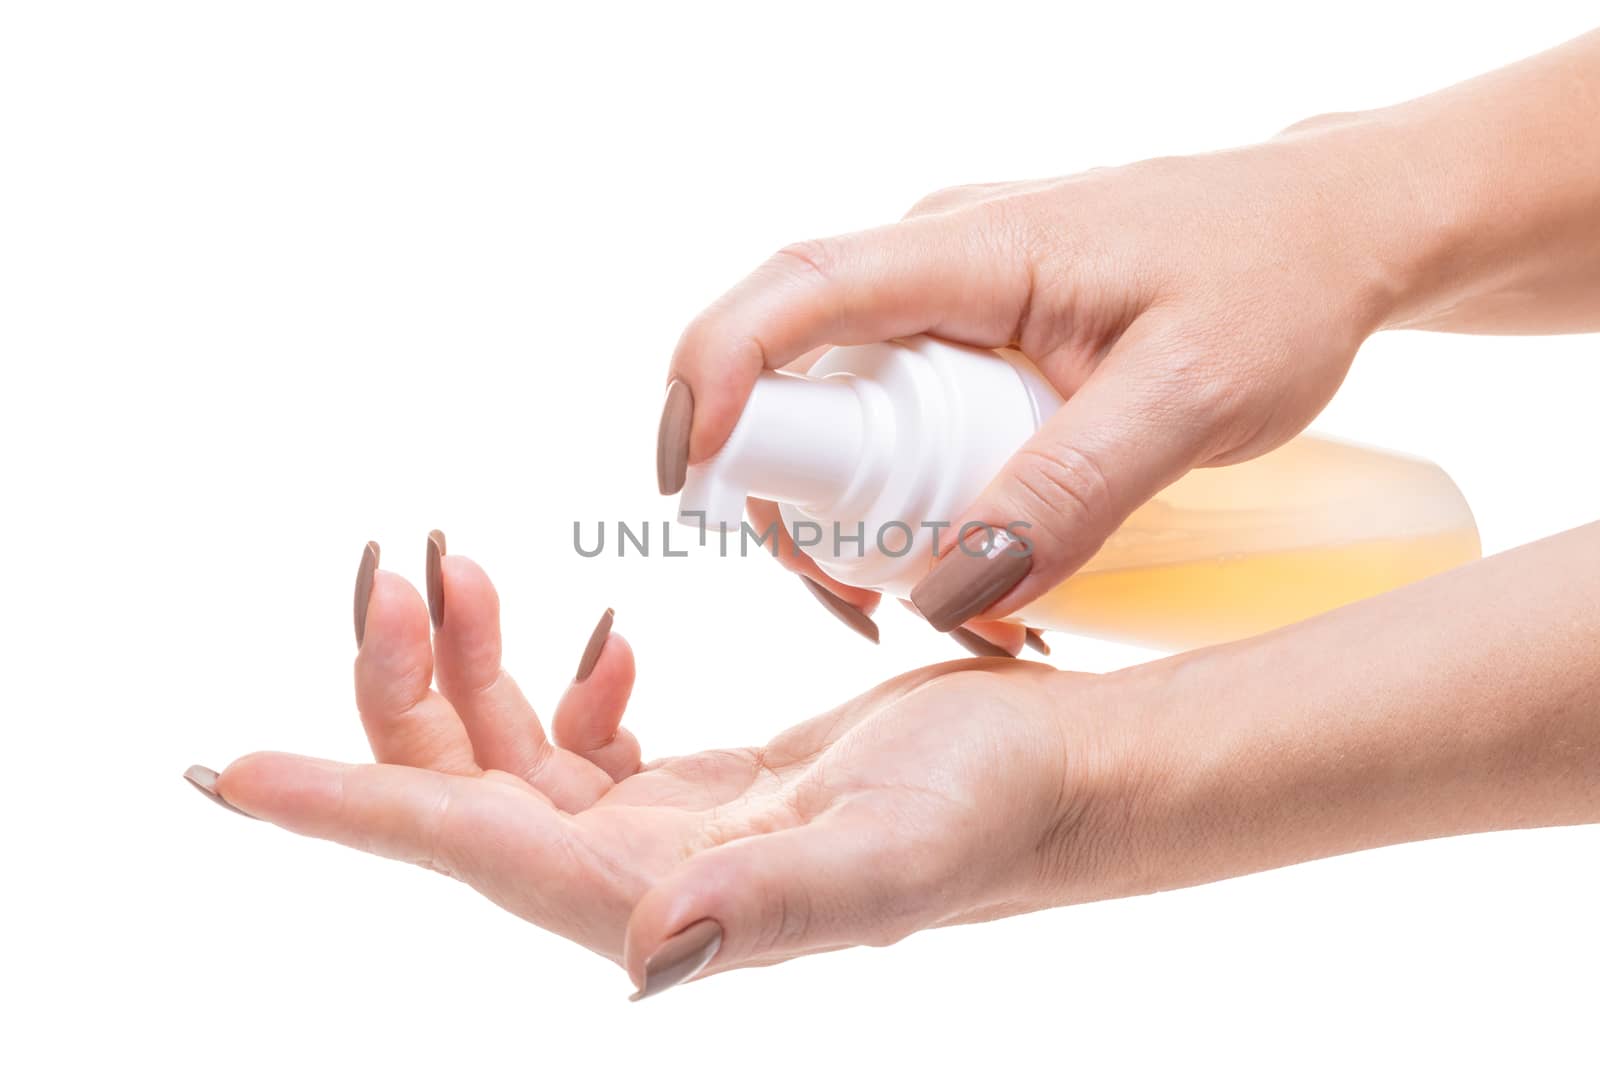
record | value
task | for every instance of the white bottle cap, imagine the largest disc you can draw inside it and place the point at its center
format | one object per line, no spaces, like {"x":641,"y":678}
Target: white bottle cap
{"x":873,"y":450}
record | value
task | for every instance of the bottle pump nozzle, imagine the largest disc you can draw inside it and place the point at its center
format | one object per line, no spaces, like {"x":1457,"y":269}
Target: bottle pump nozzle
{"x":800,"y":441}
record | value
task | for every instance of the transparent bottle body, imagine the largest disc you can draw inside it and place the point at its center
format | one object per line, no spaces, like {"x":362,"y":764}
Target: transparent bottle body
{"x":1227,"y":552}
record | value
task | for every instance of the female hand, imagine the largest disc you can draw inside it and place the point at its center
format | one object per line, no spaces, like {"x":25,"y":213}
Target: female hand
{"x":962,"y":791}
{"x":950,"y":794}
{"x":1194,"y":311}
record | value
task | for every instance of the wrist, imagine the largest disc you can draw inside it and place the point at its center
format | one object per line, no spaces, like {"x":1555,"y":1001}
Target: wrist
{"x":1207,"y":769}
{"x":1108,"y":774}
{"x":1478,"y":203}
{"x":1400,"y":220}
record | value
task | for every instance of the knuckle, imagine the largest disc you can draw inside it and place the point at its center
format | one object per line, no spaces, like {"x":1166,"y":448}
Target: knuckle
{"x":1205,"y":393}
{"x":894,"y":929}
{"x":696,"y":337}
{"x":812,"y":258}
{"x":1064,"y":488}
{"x":909,"y":912}
{"x":943,"y":200}
{"x":436,"y":837}
{"x":997,"y":214}
{"x":395,"y":696}
{"x":1007,"y":231}
{"x":1195,"y":385}
{"x":924,"y":883}
{"x":537,"y":763}
{"x":1327,"y":121}
{"x":785,"y":920}
{"x":712,"y":340}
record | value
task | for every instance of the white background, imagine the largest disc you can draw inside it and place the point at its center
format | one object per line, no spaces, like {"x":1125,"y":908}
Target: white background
{"x":279,"y":278}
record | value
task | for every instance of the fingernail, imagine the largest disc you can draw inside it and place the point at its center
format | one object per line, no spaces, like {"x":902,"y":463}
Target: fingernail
{"x":597,"y":642}
{"x":970,"y":578}
{"x":436,"y":577}
{"x":204,"y":779}
{"x":680,"y":958}
{"x":843,"y":610}
{"x":672,"y":439}
{"x":1034,"y":639}
{"x":978,"y":645}
{"x":369,"y":568}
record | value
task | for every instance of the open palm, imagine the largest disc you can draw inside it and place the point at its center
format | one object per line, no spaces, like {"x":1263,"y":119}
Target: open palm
{"x":934,"y":798}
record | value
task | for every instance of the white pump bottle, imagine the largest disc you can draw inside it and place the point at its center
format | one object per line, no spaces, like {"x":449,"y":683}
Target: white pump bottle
{"x":881,"y":447}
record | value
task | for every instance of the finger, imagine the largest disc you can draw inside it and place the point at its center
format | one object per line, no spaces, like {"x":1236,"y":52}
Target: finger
{"x":959,"y":275}
{"x":974,"y":638}
{"x":1118,"y":440}
{"x":492,"y":832}
{"x":849,"y":605}
{"x":390,"y":810}
{"x":985,"y":637}
{"x":406,"y":722}
{"x":837,"y":881}
{"x":588,"y":718}
{"x":504,"y":730}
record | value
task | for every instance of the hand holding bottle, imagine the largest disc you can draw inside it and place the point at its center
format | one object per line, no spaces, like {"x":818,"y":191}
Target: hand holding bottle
{"x":1195,"y":311}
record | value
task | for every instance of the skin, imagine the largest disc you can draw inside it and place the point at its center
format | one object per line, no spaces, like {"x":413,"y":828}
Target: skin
{"x":875,"y":809}
{"x":969,"y":790}
{"x":1201,"y":310}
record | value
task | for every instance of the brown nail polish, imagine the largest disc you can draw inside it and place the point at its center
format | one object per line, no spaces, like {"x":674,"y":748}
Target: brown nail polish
{"x":843,"y":610}
{"x":204,"y":779}
{"x":680,"y":958}
{"x":970,"y":578}
{"x":364,"y":576}
{"x":978,"y":645}
{"x":436,"y":577}
{"x":1033,"y":638}
{"x":597,"y":642}
{"x":672,"y":439}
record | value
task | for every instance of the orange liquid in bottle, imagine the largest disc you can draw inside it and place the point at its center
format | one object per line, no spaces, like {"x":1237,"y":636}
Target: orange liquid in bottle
{"x":1228,"y":552}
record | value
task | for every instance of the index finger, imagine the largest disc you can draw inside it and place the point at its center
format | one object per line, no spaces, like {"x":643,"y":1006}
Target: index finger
{"x":956,"y":274}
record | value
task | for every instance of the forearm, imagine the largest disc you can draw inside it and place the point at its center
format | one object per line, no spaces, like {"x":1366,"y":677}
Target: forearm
{"x":1468,"y":702}
{"x":1483,"y":200}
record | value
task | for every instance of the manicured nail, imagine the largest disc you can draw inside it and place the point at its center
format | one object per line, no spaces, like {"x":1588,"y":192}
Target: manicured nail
{"x":672,"y":440}
{"x":970,"y":578}
{"x":369,"y":568}
{"x":597,"y":642}
{"x":978,"y":645}
{"x":843,"y":610}
{"x":680,"y":958}
{"x":1034,"y":639}
{"x":204,"y":779}
{"x":436,"y":577}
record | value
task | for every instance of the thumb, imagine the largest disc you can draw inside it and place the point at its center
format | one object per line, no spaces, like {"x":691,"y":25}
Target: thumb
{"x":827,"y":884}
{"x":1137,"y":424}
